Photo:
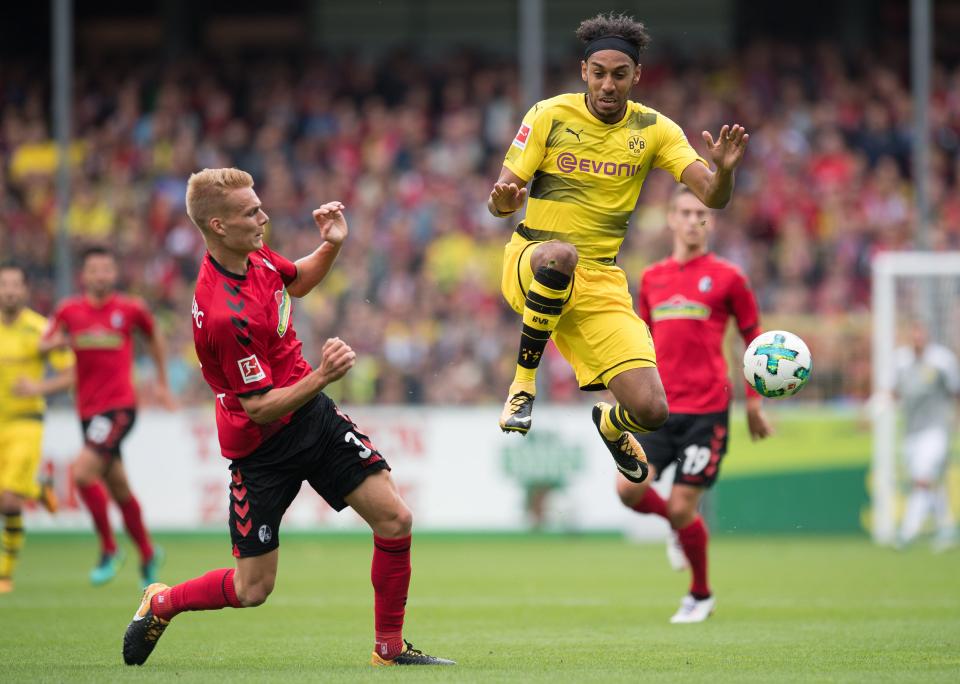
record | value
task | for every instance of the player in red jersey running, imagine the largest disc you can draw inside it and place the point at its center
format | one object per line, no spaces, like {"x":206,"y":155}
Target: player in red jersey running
{"x":99,"y":326}
{"x":274,"y":422}
{"x":687,"y":300}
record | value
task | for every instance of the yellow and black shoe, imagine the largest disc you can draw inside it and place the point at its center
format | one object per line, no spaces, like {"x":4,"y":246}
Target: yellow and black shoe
{"x":626,"y":450}
{"x":517,"y":413}
{"x":410,"y":656}
{"x":144,"y":630}
{"x":47,"y":496}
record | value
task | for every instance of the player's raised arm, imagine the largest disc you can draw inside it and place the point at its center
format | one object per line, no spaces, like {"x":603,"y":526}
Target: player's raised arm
{"x":338,"y":358}
{"x":314,"y":267}
{"x":714,"y":188}
{"x":508,"y":194}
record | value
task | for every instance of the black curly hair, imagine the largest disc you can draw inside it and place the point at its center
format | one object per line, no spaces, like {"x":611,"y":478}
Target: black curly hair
{"x":612,"y":24}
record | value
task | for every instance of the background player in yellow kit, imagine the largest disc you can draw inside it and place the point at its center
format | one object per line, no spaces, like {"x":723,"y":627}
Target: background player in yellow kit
{"x":22,"y":388}
{"x":581,"y":159}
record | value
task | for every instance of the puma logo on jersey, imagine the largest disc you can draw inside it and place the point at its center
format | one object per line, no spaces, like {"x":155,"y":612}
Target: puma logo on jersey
{"x":574,"y":133}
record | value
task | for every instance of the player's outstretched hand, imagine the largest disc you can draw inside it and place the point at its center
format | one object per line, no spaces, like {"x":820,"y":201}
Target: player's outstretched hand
{"x":727,"y":152}
{"x":331,"y":222}
{"x":758,"y":424}
{"x":165,"y":398}
{"x":338,"y":358}
{"x":507,"y":197}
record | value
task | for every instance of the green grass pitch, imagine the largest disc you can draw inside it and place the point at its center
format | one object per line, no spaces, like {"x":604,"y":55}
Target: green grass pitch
{"x":524,"y":609}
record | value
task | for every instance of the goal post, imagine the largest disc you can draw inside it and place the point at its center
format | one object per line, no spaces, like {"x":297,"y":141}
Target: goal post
{"x":905,"y":286}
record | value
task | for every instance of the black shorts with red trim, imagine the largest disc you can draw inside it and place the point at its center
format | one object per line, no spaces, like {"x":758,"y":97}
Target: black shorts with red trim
{"x":322,"y":446}
{"x":696,"y":442}
{"x":105,"y":431}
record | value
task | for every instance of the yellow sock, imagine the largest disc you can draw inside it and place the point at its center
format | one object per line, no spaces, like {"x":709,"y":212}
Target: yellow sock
{"x":12,"y":542}
{"x":541,"y":312}
{"x":616,"y":420}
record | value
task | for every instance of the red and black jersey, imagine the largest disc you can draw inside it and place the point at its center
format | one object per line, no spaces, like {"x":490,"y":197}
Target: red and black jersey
{"x":687,"y":306}
{"x":244,"y":336}
{"x":101,"y":336}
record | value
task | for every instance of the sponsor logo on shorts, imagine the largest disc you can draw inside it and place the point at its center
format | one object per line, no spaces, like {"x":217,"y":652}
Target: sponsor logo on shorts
{"x":567,"y":162}
{"x":265,"y":534}
{"x":250,"y":369}
{"x":522,"y":135}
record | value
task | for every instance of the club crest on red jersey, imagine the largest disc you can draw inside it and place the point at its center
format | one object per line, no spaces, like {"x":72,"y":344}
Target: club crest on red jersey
{"x":250,"y":369}
{"x":283,"y":311}
{"x":116,"y":319}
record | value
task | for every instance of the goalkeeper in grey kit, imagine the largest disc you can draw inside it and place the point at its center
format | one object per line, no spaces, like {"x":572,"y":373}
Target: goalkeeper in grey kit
{"x":927,"y":386}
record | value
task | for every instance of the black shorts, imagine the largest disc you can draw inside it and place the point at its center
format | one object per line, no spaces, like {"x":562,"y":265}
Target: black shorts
{"x":696,"y":442}
{"x":105,"y":431}
{"x":320,"y":445}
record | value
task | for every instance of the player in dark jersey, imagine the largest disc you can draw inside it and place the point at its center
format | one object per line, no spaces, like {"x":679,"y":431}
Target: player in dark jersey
{"x":274,"y":422}
{"x":687,"y":300}
{"x":99,"y":326}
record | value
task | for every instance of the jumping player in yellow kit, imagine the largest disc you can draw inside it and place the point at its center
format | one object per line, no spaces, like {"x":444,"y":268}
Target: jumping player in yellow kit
{"x":22,"y":388}
{"x":579,"y":161}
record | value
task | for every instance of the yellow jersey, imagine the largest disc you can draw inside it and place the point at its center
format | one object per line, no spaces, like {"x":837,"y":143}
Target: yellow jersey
{"x":20,"y":357}
{"x":584,"y":176}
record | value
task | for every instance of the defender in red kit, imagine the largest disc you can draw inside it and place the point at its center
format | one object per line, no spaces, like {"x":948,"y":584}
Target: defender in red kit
{"x":275,"y":424}
{"x":99,"y":326}
{"x":687,"y":300}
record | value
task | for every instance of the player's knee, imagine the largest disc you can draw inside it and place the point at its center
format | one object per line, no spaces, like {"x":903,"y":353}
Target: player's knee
{"x":398,"y":522}
{"x":680,"y":513}
{"x":630,"y":494}
{"x":255,"y":593}
{"x":82,"y":477}
{"x":560,"y":256}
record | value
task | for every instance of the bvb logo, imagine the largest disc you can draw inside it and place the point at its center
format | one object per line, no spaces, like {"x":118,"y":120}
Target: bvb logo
{"x":636,"y":145}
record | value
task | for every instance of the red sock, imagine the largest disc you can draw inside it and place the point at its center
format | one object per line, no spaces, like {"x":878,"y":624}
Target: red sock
{"x":212,"y":591}
{"x":94,"y":495}
{"x":693,"y":539}
{"x":390,"y":573}
{"x":133,"y":520}
{"x":652,"y":503}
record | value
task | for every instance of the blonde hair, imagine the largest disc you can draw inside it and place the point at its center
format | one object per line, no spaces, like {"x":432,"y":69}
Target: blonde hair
{"x":207,"y":189}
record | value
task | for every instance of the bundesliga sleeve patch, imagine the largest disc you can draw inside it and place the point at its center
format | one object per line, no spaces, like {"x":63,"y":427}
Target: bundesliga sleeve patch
{"x":250,"y":369}
{"x":522,"y":135}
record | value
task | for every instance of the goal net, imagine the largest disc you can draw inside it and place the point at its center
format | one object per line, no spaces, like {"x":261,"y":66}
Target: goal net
{"x":907,"y":287}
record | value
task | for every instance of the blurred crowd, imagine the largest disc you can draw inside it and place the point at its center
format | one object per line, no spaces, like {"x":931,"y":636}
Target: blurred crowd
{"x":412,"y":148}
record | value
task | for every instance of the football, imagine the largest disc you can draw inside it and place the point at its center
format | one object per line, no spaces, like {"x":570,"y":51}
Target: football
{"x":777,"y":364}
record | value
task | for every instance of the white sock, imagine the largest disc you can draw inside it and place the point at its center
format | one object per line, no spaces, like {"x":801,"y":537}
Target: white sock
{"x":918,"y":504}
{"x":940,"y":505}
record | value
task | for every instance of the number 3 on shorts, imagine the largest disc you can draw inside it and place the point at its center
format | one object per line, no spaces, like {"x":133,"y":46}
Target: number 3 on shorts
{"x":365,"y":451}
{"x":695,"y":459}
